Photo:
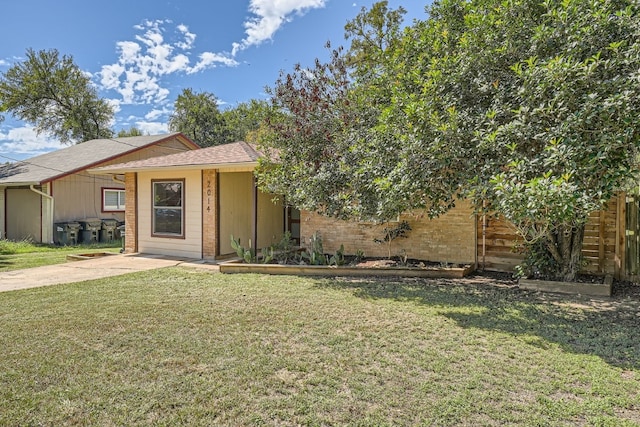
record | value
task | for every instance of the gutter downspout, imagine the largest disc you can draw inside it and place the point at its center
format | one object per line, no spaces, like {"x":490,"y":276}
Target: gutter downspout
{"x":32,"y":188}
{"x":116,"y":179}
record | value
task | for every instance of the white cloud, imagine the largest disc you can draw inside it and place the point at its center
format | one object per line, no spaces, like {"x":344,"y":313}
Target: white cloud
{"x":270,"y":15}
{"x":156,"y":113}
{"x":142,"y":63}
{"x":189,"y":37}
{"x":152,"y":128}
{"x":209,"y":59}
{"x":25,"y":140}
{"x":115,"y":104}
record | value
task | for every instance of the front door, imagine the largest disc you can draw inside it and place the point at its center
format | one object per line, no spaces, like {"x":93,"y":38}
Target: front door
{"x":293,"y":223}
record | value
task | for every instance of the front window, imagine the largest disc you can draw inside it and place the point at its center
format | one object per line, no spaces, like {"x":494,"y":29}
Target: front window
{"x":168,"y":212}
{"x":112,"y":200}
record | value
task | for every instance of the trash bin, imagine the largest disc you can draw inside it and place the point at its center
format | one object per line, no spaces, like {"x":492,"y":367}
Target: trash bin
{"x":108,"y":230}
{"x":90,"y":229}
{"x":67,"y":233}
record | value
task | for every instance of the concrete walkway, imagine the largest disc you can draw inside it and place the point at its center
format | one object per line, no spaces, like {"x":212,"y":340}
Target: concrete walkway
{"x":95,"y":268}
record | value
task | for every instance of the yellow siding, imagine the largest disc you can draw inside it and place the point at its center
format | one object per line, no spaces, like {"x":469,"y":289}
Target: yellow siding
{"x":270,"y":220}
{"x":191,"y":245}
{"x":449,"y":238}
{"x":235,"y":202}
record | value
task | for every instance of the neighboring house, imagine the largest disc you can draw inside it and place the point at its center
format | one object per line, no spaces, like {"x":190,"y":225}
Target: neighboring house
{"x":189,"y":204}
{"x":39,"y":192}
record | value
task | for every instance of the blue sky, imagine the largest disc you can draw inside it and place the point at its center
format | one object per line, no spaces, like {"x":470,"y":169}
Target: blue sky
{"x":141,"y":54}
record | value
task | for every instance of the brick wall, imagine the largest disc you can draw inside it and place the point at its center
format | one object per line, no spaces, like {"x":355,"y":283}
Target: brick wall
{"x":209,"y":214}
{"x":131,"y":209}
{"x":449,"y":238}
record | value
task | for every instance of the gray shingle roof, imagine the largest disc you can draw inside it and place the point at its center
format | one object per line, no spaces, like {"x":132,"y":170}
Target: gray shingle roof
{"x":231,"y":154}
{"x":49,"y":166}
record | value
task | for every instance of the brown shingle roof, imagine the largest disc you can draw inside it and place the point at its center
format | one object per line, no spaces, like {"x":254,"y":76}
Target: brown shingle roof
{"x":233,"y":154}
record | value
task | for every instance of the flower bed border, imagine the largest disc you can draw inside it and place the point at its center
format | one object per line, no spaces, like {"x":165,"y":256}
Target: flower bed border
{"x":590,"y":289}
{"x":236,"y":266}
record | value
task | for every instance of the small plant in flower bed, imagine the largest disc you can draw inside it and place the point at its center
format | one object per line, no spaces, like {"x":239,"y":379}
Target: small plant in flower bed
{"x":392,"y":233}
{"x":285,"y":252}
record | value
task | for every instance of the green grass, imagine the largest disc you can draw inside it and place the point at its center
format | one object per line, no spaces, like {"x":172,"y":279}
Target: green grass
{"x":184,"y":347}
{"x":18,"y":255}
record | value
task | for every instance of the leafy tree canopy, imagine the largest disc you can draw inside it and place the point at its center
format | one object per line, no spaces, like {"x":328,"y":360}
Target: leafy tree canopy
{"x":530,"y":108}
{"x":55,"y":96}
{"x":197,"y":116}
{"x":132,"y":131}
{"x":245,"y":119}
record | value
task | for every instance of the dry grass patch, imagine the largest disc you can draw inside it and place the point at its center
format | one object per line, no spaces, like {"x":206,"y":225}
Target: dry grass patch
{"x":186,"y":347}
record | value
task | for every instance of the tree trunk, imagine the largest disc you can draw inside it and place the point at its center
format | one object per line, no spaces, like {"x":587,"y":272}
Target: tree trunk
{"x":565,"y":245}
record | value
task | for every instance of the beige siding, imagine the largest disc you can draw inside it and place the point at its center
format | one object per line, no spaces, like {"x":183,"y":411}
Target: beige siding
{"x":3,"y":214}
{"x":235,"y":202}
{"x":23,"y":214}
{"x":191,"y":245}
{"x":449,"y":238}
{"x":270,"y":220}
{"x":79,"y":196}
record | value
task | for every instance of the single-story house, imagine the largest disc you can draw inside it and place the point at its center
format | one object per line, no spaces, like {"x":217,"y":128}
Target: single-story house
{"x":190,"y":204}
{"x":55,"y":187}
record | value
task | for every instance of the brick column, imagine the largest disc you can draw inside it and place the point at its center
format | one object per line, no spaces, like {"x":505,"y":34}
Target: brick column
{"x":131,"y":212}
{"x":209,"y":213}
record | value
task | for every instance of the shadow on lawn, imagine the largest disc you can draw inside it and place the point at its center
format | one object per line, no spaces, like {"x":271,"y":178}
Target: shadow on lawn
{"x":607,"y":328}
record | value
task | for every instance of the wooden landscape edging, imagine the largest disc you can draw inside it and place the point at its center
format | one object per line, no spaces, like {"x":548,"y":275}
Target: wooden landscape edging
{"x":591,"y":289}
{"x":234,"y":267}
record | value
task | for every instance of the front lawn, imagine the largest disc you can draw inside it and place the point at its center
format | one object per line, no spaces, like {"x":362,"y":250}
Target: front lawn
{"x":185,"y":347}
{"x":19,"y":255}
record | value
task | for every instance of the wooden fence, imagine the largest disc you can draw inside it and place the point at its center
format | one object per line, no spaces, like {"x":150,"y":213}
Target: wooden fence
{"x":604,"y":247}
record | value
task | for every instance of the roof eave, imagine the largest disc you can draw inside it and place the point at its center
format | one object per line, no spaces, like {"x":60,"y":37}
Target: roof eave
{"x":204,"y":166}
{"x":20,"y":183}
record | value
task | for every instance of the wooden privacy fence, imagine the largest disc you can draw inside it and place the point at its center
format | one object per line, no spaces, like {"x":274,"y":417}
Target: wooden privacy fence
{"x":604,"y":247}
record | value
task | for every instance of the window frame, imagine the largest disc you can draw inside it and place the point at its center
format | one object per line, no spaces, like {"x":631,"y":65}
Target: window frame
{"x":121,"y":202}
{"x":167,"y":235}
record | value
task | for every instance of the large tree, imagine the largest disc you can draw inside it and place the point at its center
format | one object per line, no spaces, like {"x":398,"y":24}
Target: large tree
{"x":245,"y":119}
{"x":327,"y":155}
{"x":53,"y":94}
{"x":197,"y":116}
{"x":537,"y":104}
{"x":529,"y":108}
{"x":132,"y":131}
